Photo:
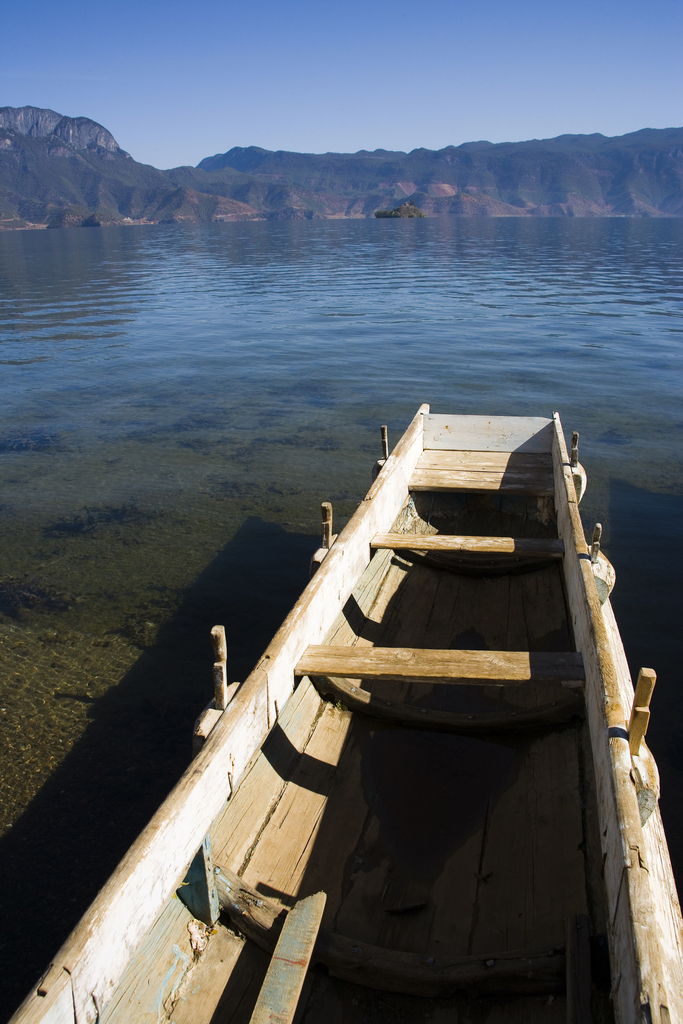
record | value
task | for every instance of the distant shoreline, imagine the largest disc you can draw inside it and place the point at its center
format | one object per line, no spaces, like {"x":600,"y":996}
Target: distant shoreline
{"x":63,"y":172}
{"x":8,"y":229}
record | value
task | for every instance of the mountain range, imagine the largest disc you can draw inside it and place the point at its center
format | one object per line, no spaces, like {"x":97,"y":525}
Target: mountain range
{"x":58,"y":171}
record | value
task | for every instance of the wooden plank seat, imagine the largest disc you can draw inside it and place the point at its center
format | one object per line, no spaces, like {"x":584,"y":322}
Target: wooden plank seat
{"x":519,"y":434}
{"x":510,"y":972}
{"x":279,"y":995}
{"x":461,"y":667}
{"x":356,"y":699}
{"x":509,"y":472}
{"x":525,"y":546}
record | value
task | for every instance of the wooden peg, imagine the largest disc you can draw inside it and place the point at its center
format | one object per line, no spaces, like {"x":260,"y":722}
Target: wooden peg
{"x":385,"y":452}
{"x":326,"y":509}
{"x":640,"y":713}
{"x":220,"y":673}
{"x":220,"y":645}
{"x":220,"y":685}
{"x":647,"y":677}
{"x":385,"y":442}
{"x":637,"y":727}
{"x":328,"y":538}
{"x":595,"y":546}
{"x":578,"y":472}
{"x":574,"y":459}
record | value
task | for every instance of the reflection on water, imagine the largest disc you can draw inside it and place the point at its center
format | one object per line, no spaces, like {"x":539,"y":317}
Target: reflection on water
{"x":177,"y":403}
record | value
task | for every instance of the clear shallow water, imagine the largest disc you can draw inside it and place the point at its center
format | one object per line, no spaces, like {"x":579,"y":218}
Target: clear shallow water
{"x":178,"y":401}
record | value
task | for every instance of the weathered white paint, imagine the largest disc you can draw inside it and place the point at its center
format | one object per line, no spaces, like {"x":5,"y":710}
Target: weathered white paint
{"x":489,"y":433}
{"x":55,"y":1007}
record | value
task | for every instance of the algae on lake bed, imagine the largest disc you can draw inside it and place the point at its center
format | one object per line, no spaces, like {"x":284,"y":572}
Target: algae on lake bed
{"x":90,"y":593}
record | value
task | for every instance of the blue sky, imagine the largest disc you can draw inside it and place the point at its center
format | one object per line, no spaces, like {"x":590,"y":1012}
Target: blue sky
{"x":178,"y":81}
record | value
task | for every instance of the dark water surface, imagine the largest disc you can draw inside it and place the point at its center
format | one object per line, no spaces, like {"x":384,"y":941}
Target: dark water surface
{"x":178,"y":400}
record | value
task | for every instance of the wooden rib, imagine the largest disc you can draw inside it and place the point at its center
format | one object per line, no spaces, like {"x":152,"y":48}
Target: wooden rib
{"x":578,"y":971}
{"x":364,"y":702}
{"x":422,"y":974}
{"x":467,"y":563}
{"x":531,"y":483}
{"x":399,"y":663}
{"x":281,"y":989}
{"x":478,"y":545}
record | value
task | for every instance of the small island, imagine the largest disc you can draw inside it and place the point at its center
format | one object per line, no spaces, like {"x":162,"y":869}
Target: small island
{"x":404,"y":210}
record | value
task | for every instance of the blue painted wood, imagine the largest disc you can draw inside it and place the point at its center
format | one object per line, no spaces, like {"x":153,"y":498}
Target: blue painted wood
{"x":198,"y":889}
{"x":279,"y":996}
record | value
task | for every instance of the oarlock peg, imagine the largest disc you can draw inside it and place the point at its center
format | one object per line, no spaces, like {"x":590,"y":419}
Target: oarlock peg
{"x":384,"y":433}
{"x":220,"y":667}
{"x":326,"y":509}
{"x":328,"y":538}
{"x":640,"y":712}
{"x":595,"y":546}
{"x":578,"y":472}
{"x":385,"y":441}
{"x":574,"y":458}
{"x":220,"y":644}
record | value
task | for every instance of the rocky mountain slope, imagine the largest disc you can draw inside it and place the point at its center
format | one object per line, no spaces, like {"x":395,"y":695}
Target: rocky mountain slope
{"x":62,"y":171}
{"x":67,"y":172}
{"x":640,"y":174}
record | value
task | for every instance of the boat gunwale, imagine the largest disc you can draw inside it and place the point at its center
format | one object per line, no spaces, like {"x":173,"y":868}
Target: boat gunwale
{"x":638,"y":974}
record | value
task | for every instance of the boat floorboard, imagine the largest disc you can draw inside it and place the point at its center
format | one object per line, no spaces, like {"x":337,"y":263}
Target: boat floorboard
{"x":493,"y":863}
{"x":512,"y":472}
{"x":225,"y":983}
{"x":423,"y":842}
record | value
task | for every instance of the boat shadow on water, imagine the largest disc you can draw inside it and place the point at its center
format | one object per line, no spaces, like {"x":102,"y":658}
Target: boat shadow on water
{"x":647,"y":603}
{"x":58,"y":854}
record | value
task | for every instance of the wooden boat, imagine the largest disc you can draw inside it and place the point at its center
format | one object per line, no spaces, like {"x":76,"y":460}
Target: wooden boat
{"x":431,"y":799}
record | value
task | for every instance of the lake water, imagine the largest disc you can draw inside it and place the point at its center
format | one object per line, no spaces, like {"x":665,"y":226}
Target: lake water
{"x":177,"y":401}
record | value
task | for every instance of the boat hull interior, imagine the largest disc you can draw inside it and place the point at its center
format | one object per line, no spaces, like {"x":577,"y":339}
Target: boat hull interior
{"x":438,"y":827}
